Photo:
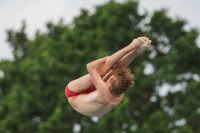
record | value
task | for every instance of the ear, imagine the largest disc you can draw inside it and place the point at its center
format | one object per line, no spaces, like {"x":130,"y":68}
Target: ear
{"x":109,"y":85}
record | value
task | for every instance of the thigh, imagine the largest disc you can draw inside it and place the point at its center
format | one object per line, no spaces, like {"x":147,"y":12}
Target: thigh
{"x":80,"y":84}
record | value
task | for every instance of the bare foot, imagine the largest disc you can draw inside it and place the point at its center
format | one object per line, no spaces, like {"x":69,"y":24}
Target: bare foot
{"x":146,"y":43}
{"x":137,"y":42}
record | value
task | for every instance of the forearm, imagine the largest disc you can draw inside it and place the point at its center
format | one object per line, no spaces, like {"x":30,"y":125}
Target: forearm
{"x":91,"y":68}
{"x":94,"y":75}
{"x":95,"y":64}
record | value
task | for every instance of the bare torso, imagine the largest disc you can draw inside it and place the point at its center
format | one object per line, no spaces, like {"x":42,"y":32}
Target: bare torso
{"x":100,"y":101}
{"x":94,"y":104}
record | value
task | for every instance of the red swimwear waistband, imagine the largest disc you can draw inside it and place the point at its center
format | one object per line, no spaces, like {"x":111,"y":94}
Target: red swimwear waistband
{"x":70,"y":93}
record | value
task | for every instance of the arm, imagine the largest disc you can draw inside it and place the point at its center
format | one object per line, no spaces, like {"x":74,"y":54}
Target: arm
{"x":94,"y":75}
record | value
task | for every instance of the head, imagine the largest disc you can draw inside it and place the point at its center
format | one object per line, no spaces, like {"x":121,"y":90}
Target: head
{"x":121,"y":82}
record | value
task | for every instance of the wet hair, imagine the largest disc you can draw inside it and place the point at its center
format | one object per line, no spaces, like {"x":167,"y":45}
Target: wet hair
{"x":124,"y":81}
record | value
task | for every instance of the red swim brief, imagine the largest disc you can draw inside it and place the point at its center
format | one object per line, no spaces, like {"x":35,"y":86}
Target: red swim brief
{"x":70,"y":93}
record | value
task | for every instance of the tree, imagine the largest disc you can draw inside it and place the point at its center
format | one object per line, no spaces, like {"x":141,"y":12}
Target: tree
{"x":32,"y":95}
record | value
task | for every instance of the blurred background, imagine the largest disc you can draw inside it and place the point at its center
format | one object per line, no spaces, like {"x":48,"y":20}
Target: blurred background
{"x":45,"y":44}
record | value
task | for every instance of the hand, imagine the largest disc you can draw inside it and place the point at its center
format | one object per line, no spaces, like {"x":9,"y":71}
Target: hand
{"x":101,"y":68}
{"x":103,"y":60}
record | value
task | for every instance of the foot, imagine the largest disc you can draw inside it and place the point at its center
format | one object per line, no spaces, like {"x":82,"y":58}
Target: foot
{"x":145,"y":44}
{"x":137,"y":42}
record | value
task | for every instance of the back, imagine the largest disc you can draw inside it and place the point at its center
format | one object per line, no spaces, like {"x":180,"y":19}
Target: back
{"x":94,"y":103}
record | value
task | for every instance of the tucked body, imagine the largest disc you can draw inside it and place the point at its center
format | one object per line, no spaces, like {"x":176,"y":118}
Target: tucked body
{"x":102,"y":89}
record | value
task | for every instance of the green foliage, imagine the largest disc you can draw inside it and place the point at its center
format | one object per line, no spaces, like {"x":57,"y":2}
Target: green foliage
{"x":32,"y":97}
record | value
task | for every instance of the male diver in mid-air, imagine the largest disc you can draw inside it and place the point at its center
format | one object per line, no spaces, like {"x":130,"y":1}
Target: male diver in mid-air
{"x":98,"y":92}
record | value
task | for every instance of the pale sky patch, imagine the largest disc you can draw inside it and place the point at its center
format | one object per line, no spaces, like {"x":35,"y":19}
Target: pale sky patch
{"x":37,"y":13}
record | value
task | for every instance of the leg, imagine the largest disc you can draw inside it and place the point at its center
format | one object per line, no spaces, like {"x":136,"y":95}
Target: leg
{"x":84,"y":82}
{"x":128,"y":58}
{"x":80,"y":84}
{"x":118,"y":56}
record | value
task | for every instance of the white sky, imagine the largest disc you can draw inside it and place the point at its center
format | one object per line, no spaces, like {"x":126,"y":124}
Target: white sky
{"x":37,"y":13}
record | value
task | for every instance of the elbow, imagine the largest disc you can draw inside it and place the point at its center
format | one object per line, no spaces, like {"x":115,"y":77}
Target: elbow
{"x":89,"y":66}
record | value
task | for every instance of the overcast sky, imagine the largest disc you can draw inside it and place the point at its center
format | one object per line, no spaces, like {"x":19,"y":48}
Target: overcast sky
{"x":37,"y":12}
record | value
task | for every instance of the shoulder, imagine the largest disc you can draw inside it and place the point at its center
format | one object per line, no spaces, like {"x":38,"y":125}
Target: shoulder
{"x":118,"y":99}
{"x":102,"y":89}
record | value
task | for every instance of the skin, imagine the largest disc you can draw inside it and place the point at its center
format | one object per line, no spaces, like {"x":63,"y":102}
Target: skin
{"x":100,"y":101}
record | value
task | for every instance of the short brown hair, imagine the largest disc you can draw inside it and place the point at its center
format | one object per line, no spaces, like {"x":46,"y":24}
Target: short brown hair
{"x":123,"y":83}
